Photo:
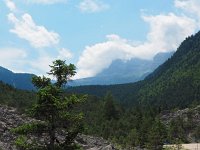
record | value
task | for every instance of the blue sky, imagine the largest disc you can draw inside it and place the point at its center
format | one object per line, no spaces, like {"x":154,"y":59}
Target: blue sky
{"x":91,"y":33}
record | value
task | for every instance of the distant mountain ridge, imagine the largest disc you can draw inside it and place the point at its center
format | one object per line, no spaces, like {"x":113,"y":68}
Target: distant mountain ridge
{"x":17,"y":80}
{"x":175,"y":83}
{"x":118,"y":72}
{"x":125,"y":71}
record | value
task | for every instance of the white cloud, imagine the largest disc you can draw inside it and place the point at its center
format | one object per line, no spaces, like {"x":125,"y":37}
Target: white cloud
{"x":11,"y":5}
{"x":91,"y":6}
{"x":11,"y":57}
{"x":166,"y":33}
{"x":37,"y":36}
{"x":189,"y":6}
{"x":40,"y":66}
{"x":46,"y":1}
{"x":64,"y":54}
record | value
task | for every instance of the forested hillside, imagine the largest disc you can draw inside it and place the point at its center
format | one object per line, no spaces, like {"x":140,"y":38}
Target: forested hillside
{"x":176,"y":83}
{"x":131,"y":115}
{"x":17,"y":98}
{"x":17,"y":80}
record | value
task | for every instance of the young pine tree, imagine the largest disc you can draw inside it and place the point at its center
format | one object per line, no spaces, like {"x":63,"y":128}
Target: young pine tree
{"x":56,"y":123}
{"x":110,"y":110}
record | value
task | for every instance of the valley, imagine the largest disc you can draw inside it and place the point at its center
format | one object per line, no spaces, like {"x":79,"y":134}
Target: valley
{"x":162,"y":108}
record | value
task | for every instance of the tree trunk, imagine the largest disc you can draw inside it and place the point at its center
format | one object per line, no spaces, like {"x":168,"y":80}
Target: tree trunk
{"x":52,"y":135}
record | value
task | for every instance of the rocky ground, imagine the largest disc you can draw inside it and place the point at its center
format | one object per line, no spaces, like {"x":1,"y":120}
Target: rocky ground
{"x":187,"y":114}
{"x":10,"y":118}
{"x":190,"y":120}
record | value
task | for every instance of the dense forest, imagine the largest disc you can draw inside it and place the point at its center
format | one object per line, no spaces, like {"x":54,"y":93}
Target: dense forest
{"x":129,"y":115}
{"x":172,"y":86}
{"x":19,"y":99}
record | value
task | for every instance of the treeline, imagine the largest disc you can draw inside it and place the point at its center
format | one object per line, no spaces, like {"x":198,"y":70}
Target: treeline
{"x":140,"y":126}
{"x":130,"y":114}
{"x":176,"y":83}
{"x":19,"y":99}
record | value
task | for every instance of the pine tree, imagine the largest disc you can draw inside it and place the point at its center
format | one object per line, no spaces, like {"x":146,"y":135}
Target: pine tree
{"x":110,"y":111}
{"x":156,"y":135}
{"x":57,"y":122}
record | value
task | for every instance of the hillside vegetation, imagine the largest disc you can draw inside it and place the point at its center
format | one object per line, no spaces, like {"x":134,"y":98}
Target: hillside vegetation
{"x":17,"y":80}
{"x":19,"y":99}
{"x":131,"y":115}
{"x":176,"y":83}
{"x":134,"y":112}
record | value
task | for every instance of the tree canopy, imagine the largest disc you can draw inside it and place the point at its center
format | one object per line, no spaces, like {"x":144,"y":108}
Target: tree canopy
{"x":57,"y":122}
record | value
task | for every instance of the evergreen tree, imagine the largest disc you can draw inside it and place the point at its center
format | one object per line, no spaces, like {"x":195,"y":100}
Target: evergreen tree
{"x":54,"y":113}
{"x":157,"y":135}
{"x":110,"y":111}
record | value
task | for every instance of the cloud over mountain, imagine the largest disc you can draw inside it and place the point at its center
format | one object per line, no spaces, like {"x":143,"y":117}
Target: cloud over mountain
{"x":166,"y":33}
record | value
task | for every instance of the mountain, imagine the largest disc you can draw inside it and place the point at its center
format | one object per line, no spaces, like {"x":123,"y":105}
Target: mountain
{"x":19,"y":99}
{"x":17,"y":80}
{"x":176,"y":83}
{"x":118,"y":72}
{"x":125,"y":71}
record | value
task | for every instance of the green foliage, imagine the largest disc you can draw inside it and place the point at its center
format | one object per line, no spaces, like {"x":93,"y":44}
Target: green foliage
{"x":16,"y":98}
{"x":41,"y":82}
{"x":62,"y":72}
{"x":129,"y":115}
{"x":110,"y":110}
{"x":35,"y":127}
{"x":177,"y":131}
{"x":157,"y":135}
{"x":196,"y":133}
{"x":176,"y":83}
{"x":21,"y":143}
{"x":130,"y":129}
{"x":55,"y":111}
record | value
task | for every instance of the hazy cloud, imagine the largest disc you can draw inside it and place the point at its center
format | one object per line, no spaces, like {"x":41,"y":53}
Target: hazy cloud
{"x":10,"y":56}
{"x":11,"y":5}
{"x":189,"y":6}
{"x":46,"y":1}
{"x":166,"y":33}
{"x":65,"y":54}
{"x":91,"y":6}
{"x":37,"y":36}
{"x":41,"y":64}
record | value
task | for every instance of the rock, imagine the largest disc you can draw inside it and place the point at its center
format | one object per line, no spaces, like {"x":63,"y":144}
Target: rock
{"x":109,"y":147}
{"x":10,"y":118}
{"x":94,"y":143}
{"x":188,"y":115}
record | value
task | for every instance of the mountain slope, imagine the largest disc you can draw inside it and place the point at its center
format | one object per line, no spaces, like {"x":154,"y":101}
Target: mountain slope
{"x":17,"y":98}
{"x":17,"y":80}
{"x":176,"y":83}
{"x":125,"y":71}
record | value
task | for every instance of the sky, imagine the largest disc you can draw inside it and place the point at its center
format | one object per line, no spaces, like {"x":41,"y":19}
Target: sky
{"x":91,"y":33}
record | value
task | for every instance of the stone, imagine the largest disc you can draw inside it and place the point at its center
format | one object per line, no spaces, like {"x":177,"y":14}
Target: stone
{"x":10,"y":118}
